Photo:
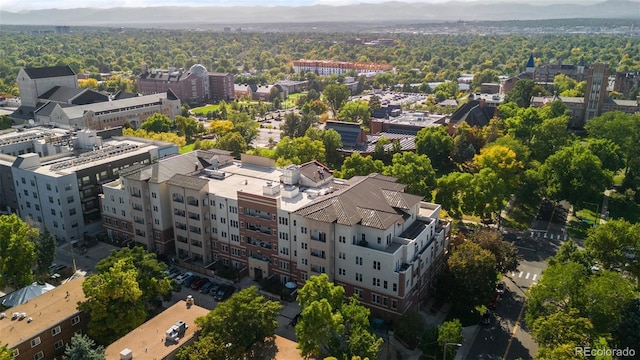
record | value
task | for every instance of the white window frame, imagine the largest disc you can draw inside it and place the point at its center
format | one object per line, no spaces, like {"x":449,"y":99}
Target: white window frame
{"x":75,"y":320}
{"x":56,"y":330}
{"x":35,"y":341}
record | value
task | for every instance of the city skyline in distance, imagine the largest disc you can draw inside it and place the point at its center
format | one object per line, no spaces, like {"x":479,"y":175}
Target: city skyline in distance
{"x":20,"y":5}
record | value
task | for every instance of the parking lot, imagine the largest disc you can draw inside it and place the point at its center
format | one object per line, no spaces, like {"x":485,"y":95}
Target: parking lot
{"x":393,"y":97}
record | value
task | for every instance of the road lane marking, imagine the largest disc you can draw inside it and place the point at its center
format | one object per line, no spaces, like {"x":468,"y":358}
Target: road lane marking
{"x":534,"y":277}
{"x":527,"y":277}
{"x":521,"y":272}
{"x":513,"y":332}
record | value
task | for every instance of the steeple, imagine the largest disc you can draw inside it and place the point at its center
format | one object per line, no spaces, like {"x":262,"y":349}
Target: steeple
{"x":531,"y":65}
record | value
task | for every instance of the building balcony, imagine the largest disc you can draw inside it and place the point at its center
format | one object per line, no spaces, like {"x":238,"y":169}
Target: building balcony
{"x":259,"y":228}
{"x":322,"y":237}
{"x":260,"y":257}
{"x":318,"y":253}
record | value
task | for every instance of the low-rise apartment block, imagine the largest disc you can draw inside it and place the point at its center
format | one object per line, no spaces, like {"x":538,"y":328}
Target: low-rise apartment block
{"x":41,"y":328}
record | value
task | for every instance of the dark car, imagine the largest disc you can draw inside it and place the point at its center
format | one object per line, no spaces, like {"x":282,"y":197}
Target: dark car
{"x":493,"y":302}
{"x":190,"y":280}
{"x":486,"y":317}
{"x":224,"y":292}
{"x":196,"y":285}
{"x":214,"y":289}
{"x":204,"y":289}
{"x":500,"y":289}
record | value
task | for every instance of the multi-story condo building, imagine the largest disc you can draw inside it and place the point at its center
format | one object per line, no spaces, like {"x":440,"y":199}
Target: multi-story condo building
{"x":195,"y":85}
{"x":136,"y":206}
{"x":41,"y":328}
{"x":366,"y":233}
{"x":53,"y":177}
{"x":327,"y":67}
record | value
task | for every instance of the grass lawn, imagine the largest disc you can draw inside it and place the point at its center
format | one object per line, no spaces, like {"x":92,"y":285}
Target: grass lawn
{"x":578,"y":226}
{"x":203,"y":110}
{"x":187,"y":148}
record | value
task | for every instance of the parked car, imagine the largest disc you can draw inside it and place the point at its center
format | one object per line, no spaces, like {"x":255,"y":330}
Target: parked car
{"x":486,"y":317}
{"x":182,"y":277}
{"x":493,"y":302}
{"x":214,"y":289}
{"x":56,"y":268}
{"x":204,"y":289}
{"x":191,"y":280}
{"x":196,"y":285}
{"x":224,"y":292}
{"x":500,"y":289}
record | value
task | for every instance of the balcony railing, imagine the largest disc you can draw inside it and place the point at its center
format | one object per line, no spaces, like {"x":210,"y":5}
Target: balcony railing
{"x":261,"y":215}
{"x":318,"y":253}
{"x":178,"y":199}
{"x":259,"y":228}
{"x":322,"y":237}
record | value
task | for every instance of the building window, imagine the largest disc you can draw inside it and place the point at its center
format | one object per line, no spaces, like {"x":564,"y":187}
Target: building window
{"x":49,"y":187}
{"x":395,"y":287}
{"x":384,"y":284}
{"x":38,"y":356}
{"x":394,"y":304}
{"x":16,"y":352}
{"x":51,"y":199}
{"x":72,"y":212}
{"x":358,"y":277}
{"x":55,"y":331}
{"x":58,"y":344}
{"x":153,"y":195}
{"x":376,"y":282}
{"x":69,"y":199}
{"x":358,"y":260}
{"x":358,"y":293}
{"x":376,"y":265}
{"x":375,"y":298}
{"x":75,"y":320}
{"x":35,"y":341}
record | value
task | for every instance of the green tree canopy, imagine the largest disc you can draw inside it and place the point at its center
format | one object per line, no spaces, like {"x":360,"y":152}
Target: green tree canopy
{"x":415,"y":171}
{"x":46,"y":252}
{"x":336,"y":95}
{"x":157,"y":123}
{"x":474,"y":272}
{"x":299,"y":150}
{"x":17,"y":251}
{"x":229,"y":330}
{"x":506,"y":254}
{"x":623,"y":129}
{"x":82,"y":347}
{"x":329,"y":326}
{"x":355,"y":111}
{"x":575,"y":174}
{"x":436,"y":143}
{"x":233,"y":142}
{"x":245,"y":126}
{"x":358,"y":165}
{"x":114,"y":302}
{"x":615,"y":245}
{"x":188,"y":127}
{"x":332,"y":144}
{"x":521,"y":93}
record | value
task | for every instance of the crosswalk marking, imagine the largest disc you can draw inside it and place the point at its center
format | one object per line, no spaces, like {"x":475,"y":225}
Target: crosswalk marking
{"x":534,"y":277}
{"x":520,"y":274}
{"x":527,"y":277}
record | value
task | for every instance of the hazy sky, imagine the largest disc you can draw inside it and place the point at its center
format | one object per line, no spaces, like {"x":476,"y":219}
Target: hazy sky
{"x":19,"y":5}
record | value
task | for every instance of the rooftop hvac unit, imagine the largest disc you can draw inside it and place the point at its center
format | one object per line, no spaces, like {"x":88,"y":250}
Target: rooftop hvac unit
{"x":215,"y":174}
{"x":176,"y":331}
{"x":126,"y":354}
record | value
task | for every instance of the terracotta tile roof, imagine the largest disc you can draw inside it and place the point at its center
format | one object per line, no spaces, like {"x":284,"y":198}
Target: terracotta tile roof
{"x":375,"y":201}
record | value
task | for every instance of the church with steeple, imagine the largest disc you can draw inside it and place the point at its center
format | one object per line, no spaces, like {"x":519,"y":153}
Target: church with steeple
{"x":544,"y":74}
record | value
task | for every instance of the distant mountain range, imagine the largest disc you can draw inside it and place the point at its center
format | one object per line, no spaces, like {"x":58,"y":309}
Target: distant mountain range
{"x":389,"y":12}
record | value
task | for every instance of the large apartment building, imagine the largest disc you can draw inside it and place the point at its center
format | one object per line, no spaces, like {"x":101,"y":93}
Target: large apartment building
{"x":366,"y":233}
{"x":42,"y":327}
{"x":327,"y":67}
{"x":52,"y":177}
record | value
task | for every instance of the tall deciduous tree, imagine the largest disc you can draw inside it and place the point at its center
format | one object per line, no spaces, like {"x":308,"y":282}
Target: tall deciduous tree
{"x":233,"y":142}
{"x":521,"y":93}
{"x":46,"y":252}
{"x":415,"y":171}
{"x":355,"y":111}
{"x":575,"y":174}
{"x":502,"y":161}
{"x":615,"y":245}
{"x":82,"y":347}
{"x":549,"y":136}
{"x":299,"y":150}
{"x":623,"y":129}
{"x":229,"y":330}
{"x":188,"y":127}
{"x":157,"y":123}
{"x":450,"y":332}
{"x":506,"y":254}
{"x":358,"y":165}
{"x":332,"y":144}
{"x":329,"y":326}
{"x":563,"y":328}
{"x":336,"y":95}
{"x":245,"y":126}
{"x":114,"y":302}
{"x":17,"y":251}
{"x":474,"y":273}
{"x":436,"y":143}
{"x":451,"y":192}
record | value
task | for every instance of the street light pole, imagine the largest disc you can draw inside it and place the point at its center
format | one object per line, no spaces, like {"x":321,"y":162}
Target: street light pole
{"x":444,"y":355}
